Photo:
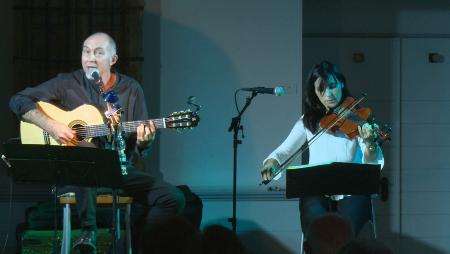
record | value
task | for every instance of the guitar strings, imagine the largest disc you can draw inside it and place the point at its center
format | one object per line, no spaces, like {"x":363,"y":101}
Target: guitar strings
{"x":158,"y":123}
{"x":103,"y":129}
{"x":126,"y":125}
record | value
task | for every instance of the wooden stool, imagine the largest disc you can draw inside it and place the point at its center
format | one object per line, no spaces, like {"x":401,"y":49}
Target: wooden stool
{"x":104,"y":199}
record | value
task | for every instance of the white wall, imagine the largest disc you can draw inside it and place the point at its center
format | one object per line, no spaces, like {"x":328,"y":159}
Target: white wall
{"x":209,"y":49}
{"x":383,"y":17}
{"x":425,"y":214}
{"x":406,"y":91}
{"x":151,"y":68}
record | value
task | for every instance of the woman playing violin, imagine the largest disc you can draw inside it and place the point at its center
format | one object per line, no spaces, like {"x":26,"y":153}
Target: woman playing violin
{"x":325,"y":90}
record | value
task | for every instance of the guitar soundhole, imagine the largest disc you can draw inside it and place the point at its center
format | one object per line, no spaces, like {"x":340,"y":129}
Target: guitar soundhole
{"x":80,"y":130}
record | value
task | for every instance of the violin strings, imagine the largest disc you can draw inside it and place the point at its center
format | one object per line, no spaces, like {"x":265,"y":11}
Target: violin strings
{"x":343,"y":113}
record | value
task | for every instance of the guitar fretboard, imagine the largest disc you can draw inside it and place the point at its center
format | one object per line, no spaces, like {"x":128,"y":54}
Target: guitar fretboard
{"x":98,"y":130}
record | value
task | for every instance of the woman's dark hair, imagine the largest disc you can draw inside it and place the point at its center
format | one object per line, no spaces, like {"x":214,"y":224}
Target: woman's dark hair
{"x":314,"y":110}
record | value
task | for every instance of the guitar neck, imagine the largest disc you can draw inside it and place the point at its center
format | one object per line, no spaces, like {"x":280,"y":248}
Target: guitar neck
{"x":92,"y":131}
{"x":131,"y":126}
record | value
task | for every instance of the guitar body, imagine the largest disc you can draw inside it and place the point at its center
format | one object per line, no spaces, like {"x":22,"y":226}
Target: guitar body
{"x":82,"y":116}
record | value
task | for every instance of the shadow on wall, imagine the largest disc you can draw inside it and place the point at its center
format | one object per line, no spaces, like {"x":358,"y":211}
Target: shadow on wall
{"x":193,"y":64}
{"x":412,"y":245}
{"x":401,"y":244}
{"x":257,"y":240}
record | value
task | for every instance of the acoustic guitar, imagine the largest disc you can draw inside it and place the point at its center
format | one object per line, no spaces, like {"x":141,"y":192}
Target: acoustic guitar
{"x":88,"y":122}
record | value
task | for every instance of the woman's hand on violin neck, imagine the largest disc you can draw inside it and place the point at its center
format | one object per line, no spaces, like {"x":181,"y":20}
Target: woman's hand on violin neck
{"x":270,"y":167}
{"x":368,"y":132}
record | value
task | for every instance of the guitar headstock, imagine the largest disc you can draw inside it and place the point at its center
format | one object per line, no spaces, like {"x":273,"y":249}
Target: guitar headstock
{"x":182,"y":120}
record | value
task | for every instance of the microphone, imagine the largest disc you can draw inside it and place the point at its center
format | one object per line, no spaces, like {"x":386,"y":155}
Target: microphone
{"x":90,"y":71}
{"x":93,"y":74}
{"x":277,"y":91}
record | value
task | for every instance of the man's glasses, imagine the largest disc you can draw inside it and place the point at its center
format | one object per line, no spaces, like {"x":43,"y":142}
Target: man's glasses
{"x":98,"y":53}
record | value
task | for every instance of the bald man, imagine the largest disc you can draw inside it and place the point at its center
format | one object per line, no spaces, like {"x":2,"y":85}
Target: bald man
{"x":71,"y":90}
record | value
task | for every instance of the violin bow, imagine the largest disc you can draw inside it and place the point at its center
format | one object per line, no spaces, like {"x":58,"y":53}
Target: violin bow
{"x":316,"y":136}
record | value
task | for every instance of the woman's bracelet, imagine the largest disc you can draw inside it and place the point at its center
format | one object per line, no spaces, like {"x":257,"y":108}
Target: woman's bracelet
{"x":372,"y":146}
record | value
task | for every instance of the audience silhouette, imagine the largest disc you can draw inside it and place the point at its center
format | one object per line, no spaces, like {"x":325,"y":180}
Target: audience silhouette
{"x":365,"y":246}
{"x":327,"y":234}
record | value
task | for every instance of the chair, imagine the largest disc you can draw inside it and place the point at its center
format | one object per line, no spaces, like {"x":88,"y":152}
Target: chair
{"x":333,"y":179}
{"x":104,"y":199}
{"x":372,"y":221}
{"x":69,"y":165}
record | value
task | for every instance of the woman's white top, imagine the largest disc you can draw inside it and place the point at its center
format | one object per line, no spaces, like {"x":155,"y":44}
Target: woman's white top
{"x":327,"y":148}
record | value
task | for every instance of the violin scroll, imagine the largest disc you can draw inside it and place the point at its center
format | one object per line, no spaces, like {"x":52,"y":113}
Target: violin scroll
{"x":383,"y":134}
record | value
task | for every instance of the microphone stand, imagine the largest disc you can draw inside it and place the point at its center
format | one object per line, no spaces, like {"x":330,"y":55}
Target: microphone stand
{"x":236,"y":126}
{"x":113,"y":114}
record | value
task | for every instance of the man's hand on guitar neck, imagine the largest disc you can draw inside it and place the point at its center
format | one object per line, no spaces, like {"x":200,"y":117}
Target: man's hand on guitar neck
{"x":145,"y":135}
{"x":59,"y":131}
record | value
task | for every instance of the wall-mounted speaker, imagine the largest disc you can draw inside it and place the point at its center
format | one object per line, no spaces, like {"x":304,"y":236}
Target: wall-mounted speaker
{"x":358,"y":57}
{"x":435,"y":58}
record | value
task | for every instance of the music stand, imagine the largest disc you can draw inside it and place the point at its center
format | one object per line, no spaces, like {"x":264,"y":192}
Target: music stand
{"x":66,"y":165}
{"x":334,"y":178}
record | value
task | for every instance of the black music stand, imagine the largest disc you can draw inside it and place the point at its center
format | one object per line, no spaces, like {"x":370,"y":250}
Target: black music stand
{"x":66,"y":165}
{"x":332,"y":179}
{"x":335,"y":178}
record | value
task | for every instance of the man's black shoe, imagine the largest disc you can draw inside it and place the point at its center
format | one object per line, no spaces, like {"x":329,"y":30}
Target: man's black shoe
{"x":87,"y":242}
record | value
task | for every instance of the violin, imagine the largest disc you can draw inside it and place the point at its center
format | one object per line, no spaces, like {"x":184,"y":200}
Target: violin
{"x":347,"y":117}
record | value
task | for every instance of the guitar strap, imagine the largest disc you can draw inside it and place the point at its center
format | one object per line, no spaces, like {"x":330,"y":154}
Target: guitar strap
{"x":113,"y":114}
